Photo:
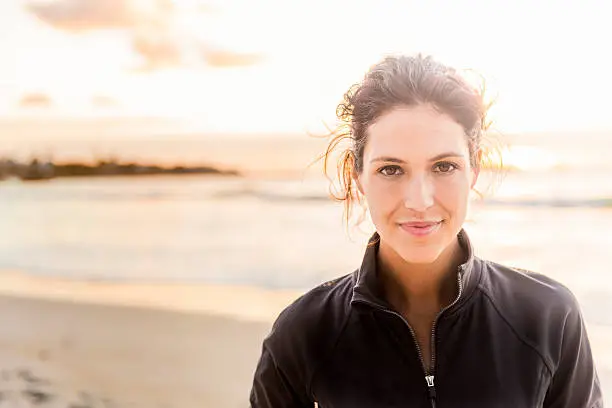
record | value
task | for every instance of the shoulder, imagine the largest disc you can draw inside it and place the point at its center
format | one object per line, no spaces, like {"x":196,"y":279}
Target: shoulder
{"x":308,"y":328}
{"x":537,"y":307}
{"x":324,"y":304}
{"x":527,"y":289}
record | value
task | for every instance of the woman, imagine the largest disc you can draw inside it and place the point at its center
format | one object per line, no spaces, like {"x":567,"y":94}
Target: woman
{"x":423,"y":322}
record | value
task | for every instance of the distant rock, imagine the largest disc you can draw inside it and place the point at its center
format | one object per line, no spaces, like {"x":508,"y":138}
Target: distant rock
{"x":43,"y":170}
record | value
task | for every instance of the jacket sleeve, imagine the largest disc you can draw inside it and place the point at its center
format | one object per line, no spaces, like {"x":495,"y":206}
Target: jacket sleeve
{"x":272,"y":388}
{"x":575,"y":383}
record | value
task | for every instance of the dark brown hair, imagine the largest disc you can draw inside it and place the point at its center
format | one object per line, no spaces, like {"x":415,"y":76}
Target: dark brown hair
{"x":403,"y":81}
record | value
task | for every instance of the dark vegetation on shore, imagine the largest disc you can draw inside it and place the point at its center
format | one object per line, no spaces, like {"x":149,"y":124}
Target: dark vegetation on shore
{"x":37,"y":169}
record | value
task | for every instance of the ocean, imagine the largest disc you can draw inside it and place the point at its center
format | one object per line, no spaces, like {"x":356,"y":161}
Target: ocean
{"x":275,"y":226}
{"x":281,"y":232}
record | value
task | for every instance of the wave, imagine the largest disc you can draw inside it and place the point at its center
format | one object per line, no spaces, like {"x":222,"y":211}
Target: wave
{"x":554,"y":202}
{"x":519,"y":202}
{"x":270,"y":196}
{"x":280,"y":191}
{"x":605,"y":202}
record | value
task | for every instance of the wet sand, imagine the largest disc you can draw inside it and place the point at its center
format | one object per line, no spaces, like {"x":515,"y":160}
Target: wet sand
{"x":108,"y":345}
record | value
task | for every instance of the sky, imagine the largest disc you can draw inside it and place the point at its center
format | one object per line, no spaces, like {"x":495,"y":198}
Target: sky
{"x":282,"y":66}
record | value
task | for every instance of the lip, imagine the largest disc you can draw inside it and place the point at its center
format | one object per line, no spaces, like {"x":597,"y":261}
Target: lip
{"x":420,"y":228}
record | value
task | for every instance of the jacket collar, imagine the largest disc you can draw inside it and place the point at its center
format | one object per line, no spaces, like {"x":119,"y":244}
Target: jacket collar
{"x":367,"y":287}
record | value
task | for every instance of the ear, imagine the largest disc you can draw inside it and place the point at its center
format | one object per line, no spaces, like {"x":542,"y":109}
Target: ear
{"x":476,"y":169}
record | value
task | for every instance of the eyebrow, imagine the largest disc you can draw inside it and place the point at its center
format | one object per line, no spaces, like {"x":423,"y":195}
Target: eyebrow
{"x":396,"y":160}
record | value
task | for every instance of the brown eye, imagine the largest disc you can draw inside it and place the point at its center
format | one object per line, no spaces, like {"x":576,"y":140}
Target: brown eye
{"x":445,"y":167}
{"x":390,"y":171}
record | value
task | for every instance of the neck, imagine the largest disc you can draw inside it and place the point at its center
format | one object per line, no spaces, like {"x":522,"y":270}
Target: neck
{"x":422,"y":289}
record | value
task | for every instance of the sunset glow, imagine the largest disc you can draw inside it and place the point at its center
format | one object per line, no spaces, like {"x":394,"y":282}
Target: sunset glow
{"x":241,"y":66}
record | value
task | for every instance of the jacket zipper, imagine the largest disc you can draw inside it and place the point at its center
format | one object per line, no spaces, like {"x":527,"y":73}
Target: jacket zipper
{"x":430,"y":378}
{"x":429,"y":375}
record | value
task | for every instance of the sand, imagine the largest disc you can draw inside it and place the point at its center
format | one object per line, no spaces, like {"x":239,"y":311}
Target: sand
{"x":79,"y":344}
{"x":94,"y":344}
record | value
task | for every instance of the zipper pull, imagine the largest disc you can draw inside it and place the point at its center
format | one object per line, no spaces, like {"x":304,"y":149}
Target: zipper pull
{"x":431,"y":389}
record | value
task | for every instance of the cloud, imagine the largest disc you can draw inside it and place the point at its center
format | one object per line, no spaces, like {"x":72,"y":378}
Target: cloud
{"x":224,"y":58}
{"x":103,"y":101}
{"x":80,"y":15}
{"x":154,"y":29}
{"x":158,"y":50}
{"x":35,"y":100}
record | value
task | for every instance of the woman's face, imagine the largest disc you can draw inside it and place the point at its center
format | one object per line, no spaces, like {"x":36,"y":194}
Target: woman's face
{"x":416,"y":179}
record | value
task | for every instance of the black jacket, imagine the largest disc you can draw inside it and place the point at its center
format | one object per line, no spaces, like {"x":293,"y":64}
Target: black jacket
{"x":512,"y":339}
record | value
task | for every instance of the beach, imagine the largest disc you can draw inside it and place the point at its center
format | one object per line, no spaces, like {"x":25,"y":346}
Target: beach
{"x":80,"y":344}
{"x":77,"y":344}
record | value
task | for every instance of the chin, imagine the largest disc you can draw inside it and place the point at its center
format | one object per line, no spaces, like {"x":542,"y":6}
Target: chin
{"x":421,"y":256}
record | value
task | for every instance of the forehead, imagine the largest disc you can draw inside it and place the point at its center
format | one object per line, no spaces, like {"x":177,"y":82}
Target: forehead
{"x":415,"y":132}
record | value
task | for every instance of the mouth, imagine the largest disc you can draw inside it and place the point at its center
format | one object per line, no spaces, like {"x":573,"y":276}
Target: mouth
{"x":421,"y":228}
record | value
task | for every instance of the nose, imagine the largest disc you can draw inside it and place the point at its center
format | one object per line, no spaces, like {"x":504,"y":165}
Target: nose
{"x":419,"y":193}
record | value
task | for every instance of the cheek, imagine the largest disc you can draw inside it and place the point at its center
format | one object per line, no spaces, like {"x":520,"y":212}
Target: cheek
{"x":453,"y":193}
{"x":383,"y":196}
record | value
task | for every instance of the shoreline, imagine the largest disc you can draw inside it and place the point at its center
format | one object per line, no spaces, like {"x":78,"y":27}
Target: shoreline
{"x":242,"y":302}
